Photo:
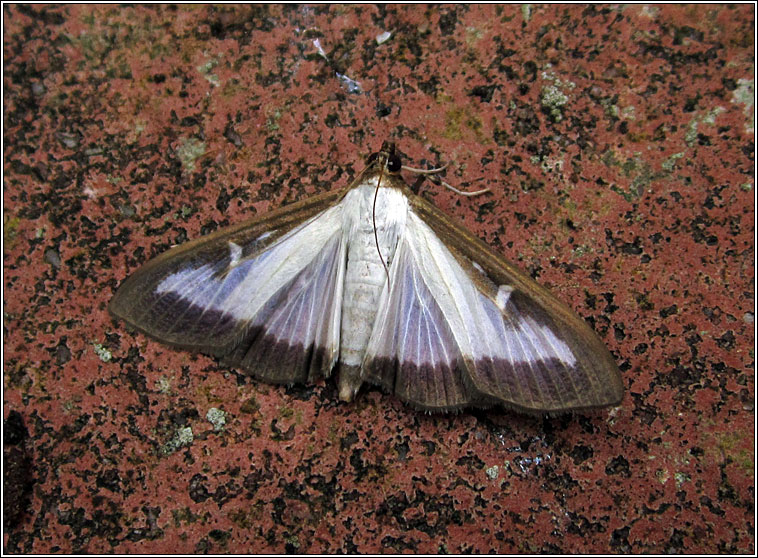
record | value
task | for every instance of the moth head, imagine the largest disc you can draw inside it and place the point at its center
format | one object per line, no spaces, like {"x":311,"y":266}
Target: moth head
{"x":386,"y":157}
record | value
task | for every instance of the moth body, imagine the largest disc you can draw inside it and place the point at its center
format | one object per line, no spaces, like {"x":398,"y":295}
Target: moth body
{"x":371,"y":235}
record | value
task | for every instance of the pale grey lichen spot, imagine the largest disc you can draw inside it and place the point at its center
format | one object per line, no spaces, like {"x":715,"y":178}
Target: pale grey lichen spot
{"x":670,"y":163}
{"x":744,"y":94}
{"x":102,"y":352}
{"x":709,"y":118}
{"x":553,"y":99}
{"x":649,"y":11}
{"x":492,"y":472}
{"x":182,"y":438}
{"x":680,"y":479}
{"x":293,"y":540}
{"x":189,"y":151}
{"x":217,"y":418}
{"x":163,"y":385}
{"x":663,"y":475}
{"x":551,"y":164}
{"x":205,"y":70}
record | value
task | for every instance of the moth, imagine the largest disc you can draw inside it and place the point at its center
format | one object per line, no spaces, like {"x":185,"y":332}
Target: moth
{"x":376,"y":282}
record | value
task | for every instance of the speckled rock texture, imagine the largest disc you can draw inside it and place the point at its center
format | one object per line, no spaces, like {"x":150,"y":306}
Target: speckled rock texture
{"x":618,"y":145}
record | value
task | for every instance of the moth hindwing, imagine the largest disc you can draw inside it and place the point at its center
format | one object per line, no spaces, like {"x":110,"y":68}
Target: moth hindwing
{"x":377,"y":282}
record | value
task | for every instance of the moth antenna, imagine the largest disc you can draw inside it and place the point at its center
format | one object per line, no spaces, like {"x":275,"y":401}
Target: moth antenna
{"x":373,"y":218}
{"x":461,"y":192}
{"x":425,"y":172}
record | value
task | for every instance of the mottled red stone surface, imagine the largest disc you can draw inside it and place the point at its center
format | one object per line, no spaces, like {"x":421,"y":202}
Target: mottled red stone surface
{"x":618,"y":144}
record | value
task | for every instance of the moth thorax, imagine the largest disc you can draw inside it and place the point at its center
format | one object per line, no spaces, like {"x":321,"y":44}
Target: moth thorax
{"x":372,"y":232}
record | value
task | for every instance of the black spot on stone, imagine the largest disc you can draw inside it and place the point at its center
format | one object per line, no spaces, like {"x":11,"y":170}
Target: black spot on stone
{"x":18,"y":476}
{"x":620,"y":540}
{"x":448,"y":22}
{"x":668,"y":311}
{"x":691,"y":104}
{"x":430,"y":86}
{"x":219,"y":535}
{"x":727,"y":341}
{"x":232,"y":136}
{"x":383,"y":110}
{"x":730,"y":84}
{"x":109,"y":479}
{"x":581,"y":453}
{"x":618,"y":466}
{"x":349,"y":441}
{"x":484,"y":92}
{"x":45,"y":15}
{"x":14,"y":429}
{"x":198,"y":491}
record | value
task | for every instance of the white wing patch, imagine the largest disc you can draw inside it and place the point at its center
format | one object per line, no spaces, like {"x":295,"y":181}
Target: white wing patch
{"x":235,"y":254}
{"x":435,"y":319}
{"x":503,"y":294}
{"x":247,"y":284}
{"x":464,"y":307}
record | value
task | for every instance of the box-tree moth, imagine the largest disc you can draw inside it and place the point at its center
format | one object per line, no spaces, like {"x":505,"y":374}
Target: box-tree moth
{"x":376,"y":282}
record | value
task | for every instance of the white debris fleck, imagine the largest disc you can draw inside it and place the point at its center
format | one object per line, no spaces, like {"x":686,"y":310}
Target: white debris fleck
{"x":526,"y":12}
{"x":382,"y":38}
{"x":320,"y":49}
{"x":351,"y":85}
{"x":264,"y":236}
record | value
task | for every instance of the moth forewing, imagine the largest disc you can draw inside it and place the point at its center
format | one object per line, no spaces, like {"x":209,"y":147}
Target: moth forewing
{"x":594,"y":379}
{"x":147,"y":301}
